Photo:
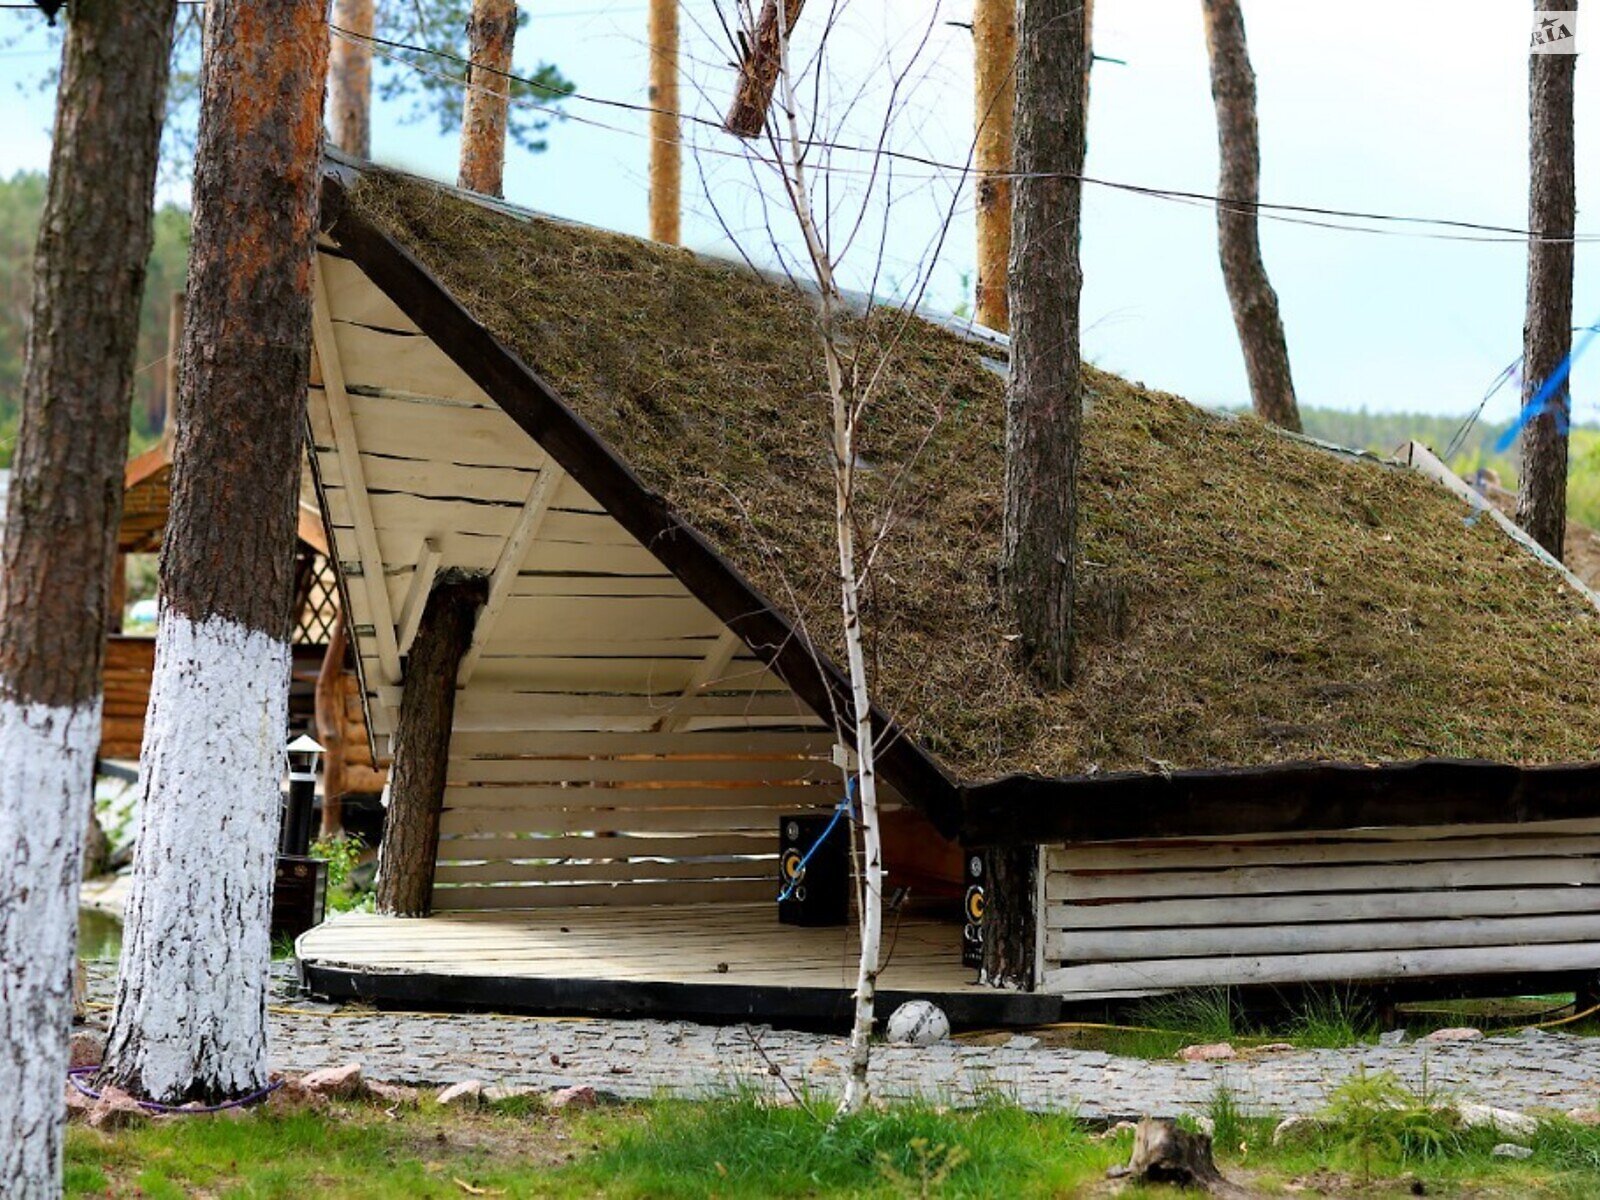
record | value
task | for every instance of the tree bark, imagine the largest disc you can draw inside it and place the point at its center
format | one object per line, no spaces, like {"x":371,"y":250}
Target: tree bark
{"x":666,"y":153}
{"x":350,"y":78}
{"x":422,"y":747}
{"x":1547,"y":328}
{"x":490,"y":34}
{"x":1255,"y":304}
{"x":758,"y":72}
{"x":1010,"y":917}
{"x":61,"y":532}
{"x":994,"y":57}
{"x":330,"y":729}
{"x":1044,"y":401}
{"x":190,"y":1013}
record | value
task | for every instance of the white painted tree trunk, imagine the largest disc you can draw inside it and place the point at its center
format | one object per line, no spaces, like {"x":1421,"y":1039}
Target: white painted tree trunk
{"x":845,"y":411}
{"x":190,"y":1016}
{"x":46,"y":784}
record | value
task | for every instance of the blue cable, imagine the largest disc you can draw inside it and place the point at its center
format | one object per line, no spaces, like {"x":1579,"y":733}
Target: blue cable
{"x":845,"y":805}
{"x":1540,"y":402}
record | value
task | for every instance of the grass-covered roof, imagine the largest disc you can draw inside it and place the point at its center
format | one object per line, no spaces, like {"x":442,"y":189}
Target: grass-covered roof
{"x":1245,"y":597}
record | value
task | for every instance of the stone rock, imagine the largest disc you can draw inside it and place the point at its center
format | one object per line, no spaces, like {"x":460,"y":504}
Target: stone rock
{"x":88,"y":1048}
{"x":392,"y":1093}
{"x":116,"y":1110}
{"x":1459,"y":1034}
{"x":1020,"y":1042}
{"x":79,"y":1106}
{"x":1584,"y":1116}
{"x":341,"y":1082}
{"x":466,"y":1094}
{"x":1295,"y":1129}
{"x":1484,"y":1116}
{"x":1394,"y":1037}
{"x":1276,"y":1048}
{"x":574,"y":1097}
{"x":1209,"y":1052}
{"x":1511,"y":1150}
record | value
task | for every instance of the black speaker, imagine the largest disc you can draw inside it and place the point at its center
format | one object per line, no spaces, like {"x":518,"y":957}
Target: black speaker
{"x":819,"y":894}
{"x":972,"y":906}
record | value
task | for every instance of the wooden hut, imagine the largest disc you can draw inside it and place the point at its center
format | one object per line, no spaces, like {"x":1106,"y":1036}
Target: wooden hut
{"x":1331,"y":721}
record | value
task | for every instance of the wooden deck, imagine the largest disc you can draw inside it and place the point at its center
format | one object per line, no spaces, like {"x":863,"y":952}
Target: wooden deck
{"x":723,"y":962}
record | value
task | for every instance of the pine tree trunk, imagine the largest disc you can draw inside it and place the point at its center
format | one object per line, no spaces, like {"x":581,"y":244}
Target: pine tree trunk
{"x":1010,"y":916}
{"x":1255,"y":304}
{"x":422,"y":747}
{"x":350,"y":78}
{"x":994,"y":57}
{"x":1044,"y":402}
{"x":1547,"y":328}
{"x":190,"y":1014}
{"x":666,"y":154}
{"x":61,"y":530}
{"x":758,"y":73}
{"x":490,"y":35}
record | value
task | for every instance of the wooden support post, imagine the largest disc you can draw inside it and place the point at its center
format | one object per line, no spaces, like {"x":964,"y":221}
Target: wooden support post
{"x":666,"y":151}
{"x":422,"y":747}
{"x":117,"y":593}
{"x":330,"y":728}
{"x":1011,"y":917}
{"x":758,"y":73}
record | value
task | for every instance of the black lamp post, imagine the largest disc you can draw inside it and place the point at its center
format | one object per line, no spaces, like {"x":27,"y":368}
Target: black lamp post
{"x":295,"y":838}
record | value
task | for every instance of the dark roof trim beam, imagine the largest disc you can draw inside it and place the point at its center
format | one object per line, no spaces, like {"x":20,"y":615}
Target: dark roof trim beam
{"x":1281,"y":798}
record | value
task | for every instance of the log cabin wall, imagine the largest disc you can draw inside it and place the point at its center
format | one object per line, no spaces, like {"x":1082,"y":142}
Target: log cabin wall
{"x":612,"y":743}
{"x":1348,"y":905}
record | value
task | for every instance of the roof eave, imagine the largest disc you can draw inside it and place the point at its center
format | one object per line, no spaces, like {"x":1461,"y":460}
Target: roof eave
{"x":1285,"y":798}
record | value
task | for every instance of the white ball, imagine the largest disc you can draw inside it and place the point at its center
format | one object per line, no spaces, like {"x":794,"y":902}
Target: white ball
{"x":917,"y":1023}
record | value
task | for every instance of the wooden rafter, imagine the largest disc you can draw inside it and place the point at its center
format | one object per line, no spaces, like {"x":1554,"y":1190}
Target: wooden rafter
{"x":417,"y":595}
{"x":512,"y":555}
{"x":711,"y":668}
{"x":355,"y":481}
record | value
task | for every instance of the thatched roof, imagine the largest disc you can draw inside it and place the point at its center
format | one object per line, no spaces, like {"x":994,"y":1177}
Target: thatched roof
{"x":1245,"y":597}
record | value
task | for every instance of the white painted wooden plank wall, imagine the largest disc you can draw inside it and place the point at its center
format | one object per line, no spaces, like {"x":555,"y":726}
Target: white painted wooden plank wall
{"x":1329,"y":907}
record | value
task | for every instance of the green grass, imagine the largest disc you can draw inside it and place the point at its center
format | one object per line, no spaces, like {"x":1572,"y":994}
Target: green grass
{"x":1381,"y":1141}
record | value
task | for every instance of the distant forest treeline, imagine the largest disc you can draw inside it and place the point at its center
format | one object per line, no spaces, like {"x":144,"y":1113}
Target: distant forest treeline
{"x":21,"y":201}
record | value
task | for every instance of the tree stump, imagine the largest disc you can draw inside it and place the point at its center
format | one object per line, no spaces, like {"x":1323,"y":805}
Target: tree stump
{"x":1164,"y":1153}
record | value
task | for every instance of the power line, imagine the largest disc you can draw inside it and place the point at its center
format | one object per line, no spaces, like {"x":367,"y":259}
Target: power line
{"x":1300,"y":214}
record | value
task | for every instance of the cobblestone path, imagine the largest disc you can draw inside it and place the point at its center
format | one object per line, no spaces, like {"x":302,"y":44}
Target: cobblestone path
{"x":635,"y":1059}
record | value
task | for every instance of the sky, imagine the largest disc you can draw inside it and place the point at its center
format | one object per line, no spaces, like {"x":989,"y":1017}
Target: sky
{"x":1418,"y":109}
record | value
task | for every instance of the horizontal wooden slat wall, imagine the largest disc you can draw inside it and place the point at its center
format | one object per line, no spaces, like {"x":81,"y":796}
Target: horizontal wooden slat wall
{"x":612,"y":743}
{"x":1354,"y":905}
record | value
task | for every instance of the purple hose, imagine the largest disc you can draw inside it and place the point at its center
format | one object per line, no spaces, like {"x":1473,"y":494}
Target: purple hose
{"x":242,"y":1102}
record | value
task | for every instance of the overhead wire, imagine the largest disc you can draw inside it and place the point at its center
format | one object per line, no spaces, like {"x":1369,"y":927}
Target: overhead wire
{"x":1302,"y":214}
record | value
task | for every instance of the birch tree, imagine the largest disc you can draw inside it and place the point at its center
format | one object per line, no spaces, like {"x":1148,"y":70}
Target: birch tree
{"x":1547,"y":327}
{"x":64,"y":505}
{"x":768,"y":80}
{"x":190,"y":1014}
{"x":1250,"y":294}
